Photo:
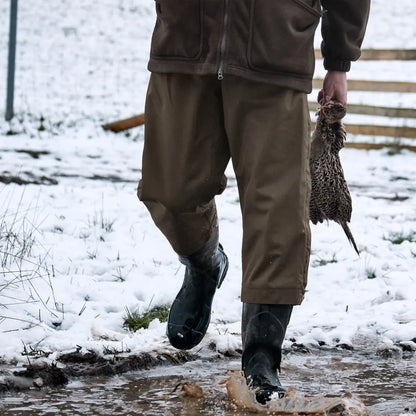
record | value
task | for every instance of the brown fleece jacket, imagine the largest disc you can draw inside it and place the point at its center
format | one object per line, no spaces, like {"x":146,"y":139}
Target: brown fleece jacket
{"x":261,"y":40}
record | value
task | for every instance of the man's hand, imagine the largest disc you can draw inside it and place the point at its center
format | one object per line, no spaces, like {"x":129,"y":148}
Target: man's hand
{"x":335,"y":87}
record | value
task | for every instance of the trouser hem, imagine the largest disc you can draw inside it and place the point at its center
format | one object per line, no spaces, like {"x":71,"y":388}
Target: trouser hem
{"x":272,"y":296}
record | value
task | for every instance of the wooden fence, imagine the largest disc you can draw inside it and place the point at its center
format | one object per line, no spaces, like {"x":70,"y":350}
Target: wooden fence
{"x":362,"y":109}
{"x":382,"y":54}
{"x":396,"y":132}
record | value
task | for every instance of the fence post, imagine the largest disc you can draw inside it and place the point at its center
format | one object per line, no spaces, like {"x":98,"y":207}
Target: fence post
{"x":12,"y":60}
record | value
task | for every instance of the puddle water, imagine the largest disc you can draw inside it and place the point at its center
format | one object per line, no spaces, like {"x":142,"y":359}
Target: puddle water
{"x":387,"y":387}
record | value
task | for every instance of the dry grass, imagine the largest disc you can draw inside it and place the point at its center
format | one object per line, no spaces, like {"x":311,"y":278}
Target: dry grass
{"x":24,"y":267}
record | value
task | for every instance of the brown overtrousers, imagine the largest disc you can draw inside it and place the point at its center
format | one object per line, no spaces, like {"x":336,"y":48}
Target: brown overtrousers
{"x":194,"y":124}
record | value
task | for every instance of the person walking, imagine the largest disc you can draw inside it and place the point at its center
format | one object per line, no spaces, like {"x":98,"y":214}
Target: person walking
{"x":229,"y":80}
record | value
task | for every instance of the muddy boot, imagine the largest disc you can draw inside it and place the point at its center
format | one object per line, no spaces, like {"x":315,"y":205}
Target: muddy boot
{"x":190,"y":312}
{"x":263,"y":332}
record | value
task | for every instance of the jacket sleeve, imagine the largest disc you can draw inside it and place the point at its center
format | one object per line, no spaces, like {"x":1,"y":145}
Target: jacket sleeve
{"x":343,"y":27}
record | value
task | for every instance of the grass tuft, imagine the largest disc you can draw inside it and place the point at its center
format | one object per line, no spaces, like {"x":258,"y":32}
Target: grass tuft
{"x":323,"y":262}
{"x":115,"y":351}
{"x":395,"y":149}
{"x":133,"y":321}
{"x":400,"y":237}
{"x":119,"y":275}
{"x":370,"y":272}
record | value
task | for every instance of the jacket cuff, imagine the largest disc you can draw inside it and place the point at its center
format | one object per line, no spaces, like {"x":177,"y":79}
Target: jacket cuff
{"x":331,"y":64}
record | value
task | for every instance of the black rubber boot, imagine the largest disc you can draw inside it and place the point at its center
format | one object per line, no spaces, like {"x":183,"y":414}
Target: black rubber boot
{"x":190,"y":312}
{"x":263,"y":332}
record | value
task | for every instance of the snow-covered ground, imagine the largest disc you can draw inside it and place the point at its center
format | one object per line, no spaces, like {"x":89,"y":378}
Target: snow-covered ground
{"x":95,"y":250}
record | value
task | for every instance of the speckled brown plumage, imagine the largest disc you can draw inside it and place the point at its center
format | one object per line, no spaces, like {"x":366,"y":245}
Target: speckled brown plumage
{"x":330,"y":197}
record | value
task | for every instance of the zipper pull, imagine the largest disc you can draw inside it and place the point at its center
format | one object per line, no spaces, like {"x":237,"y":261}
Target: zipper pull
{"x":220,"y":75}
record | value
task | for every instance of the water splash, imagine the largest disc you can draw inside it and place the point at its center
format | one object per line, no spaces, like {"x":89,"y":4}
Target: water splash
{"x":294,"y":402}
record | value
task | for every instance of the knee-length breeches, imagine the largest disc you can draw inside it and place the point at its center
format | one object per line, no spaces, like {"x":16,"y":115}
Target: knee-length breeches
{"x":193,"y":126}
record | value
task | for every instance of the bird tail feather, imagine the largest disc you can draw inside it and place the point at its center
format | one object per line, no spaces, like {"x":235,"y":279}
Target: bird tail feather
{"x":349,"y":236}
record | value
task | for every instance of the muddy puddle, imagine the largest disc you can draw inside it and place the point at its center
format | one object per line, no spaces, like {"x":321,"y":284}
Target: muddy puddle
{"x":387,"y":387}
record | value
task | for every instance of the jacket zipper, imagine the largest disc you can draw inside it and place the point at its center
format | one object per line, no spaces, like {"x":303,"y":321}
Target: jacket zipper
{"x":223,"y":43}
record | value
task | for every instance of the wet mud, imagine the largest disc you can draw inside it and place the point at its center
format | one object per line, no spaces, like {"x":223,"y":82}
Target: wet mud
{"x":82,"y":364}
{"x":387,"y":386}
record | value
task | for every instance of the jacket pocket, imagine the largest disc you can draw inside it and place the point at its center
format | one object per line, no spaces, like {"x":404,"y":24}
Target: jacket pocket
{"x":178,"y":32}
{"x":281,"y":36}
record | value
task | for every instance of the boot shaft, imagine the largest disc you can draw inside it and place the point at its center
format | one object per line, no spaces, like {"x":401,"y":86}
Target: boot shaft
{"x":263,"y":330}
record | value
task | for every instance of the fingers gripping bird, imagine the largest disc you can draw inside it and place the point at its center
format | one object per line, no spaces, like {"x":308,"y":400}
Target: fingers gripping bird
{"x":330,"y":197}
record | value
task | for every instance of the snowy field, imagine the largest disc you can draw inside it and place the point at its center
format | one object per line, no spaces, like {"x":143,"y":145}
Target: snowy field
{"x":81,"y":248}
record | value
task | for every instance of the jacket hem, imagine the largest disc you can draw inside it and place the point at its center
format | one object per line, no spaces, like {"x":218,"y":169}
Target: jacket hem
{"x":281,"y":79}
{"x":178,"y":67}
{"x":299,"y":83}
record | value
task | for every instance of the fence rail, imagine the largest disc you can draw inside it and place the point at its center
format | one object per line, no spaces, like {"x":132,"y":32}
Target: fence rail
{"x":378,"y":146}
{"x":377,"y":130}
{"x":371,"y":110}
{"x":383,"y":54}
{"x":125,"y":124}
{"x":376,"y":86}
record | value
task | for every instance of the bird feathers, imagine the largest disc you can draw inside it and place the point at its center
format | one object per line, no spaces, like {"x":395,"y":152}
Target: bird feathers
{"x":330,"y":197}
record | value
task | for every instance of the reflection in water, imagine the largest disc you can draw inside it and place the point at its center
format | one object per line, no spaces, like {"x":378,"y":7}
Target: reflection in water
{"x":386,"y":386}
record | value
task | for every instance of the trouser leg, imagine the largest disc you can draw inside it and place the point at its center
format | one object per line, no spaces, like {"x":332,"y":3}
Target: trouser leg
{"x":268,"y":132}
{"x":184,"y":157}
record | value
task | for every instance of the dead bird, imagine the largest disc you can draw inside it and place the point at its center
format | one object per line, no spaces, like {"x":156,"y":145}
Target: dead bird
{"x":330,"y":197}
